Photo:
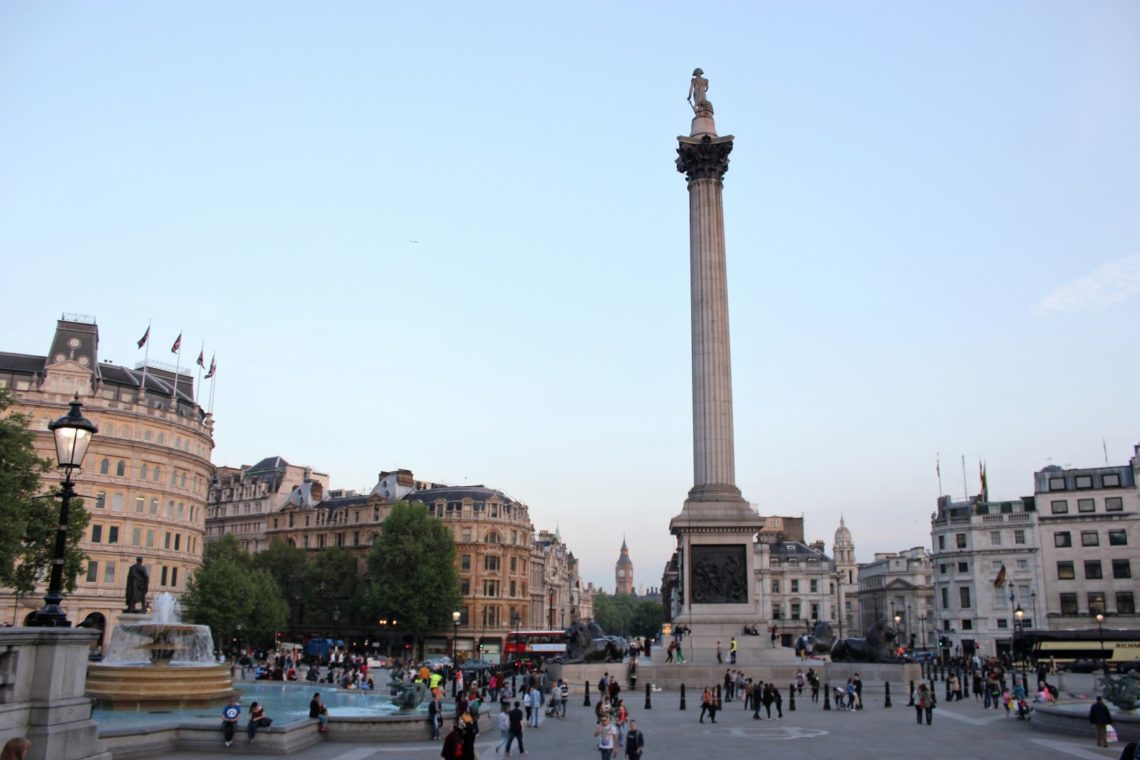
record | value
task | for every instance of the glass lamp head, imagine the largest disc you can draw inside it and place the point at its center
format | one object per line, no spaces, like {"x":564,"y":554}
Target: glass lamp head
{"x":72,"y":434}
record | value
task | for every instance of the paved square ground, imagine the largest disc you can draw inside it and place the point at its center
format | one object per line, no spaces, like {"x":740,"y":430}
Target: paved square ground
{"x":961,"y":730}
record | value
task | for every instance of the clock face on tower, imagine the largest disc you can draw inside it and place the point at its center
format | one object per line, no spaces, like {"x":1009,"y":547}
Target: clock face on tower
{"x":621,"y":573}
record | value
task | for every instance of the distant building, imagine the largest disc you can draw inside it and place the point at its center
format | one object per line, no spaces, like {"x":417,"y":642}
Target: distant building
{"x":1089,"y":520}
{"x":899,"y":583}
{"x":242,"y":499}
{"x":623,"y":571}
{"x":987,"y":562}
{"x":145,"y":477}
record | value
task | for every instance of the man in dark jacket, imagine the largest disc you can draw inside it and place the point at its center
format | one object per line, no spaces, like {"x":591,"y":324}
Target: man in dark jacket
{"x":1100,"y":717}
{"x":515,"y":732}
{"x":634,"y":742}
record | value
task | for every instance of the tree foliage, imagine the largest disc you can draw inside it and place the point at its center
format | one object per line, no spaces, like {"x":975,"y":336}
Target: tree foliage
{"x":411,"y":571}
{"x":28,"y":522}
{"x":286,"y":564}
{"x":626,"y":615}
{"x":331,"y":581}
{"x":229,"y":590}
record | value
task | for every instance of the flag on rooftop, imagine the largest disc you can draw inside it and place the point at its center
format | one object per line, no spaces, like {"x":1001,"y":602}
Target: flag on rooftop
{"x":213,"y":367}
{"x":202,"y":358}
{"x":177,"y":344}
{"x":145,"y":337}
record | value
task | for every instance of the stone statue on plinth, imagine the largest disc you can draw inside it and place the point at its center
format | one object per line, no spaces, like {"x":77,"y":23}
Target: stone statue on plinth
{"x":138,"y":583}
{"x":698,"y":94}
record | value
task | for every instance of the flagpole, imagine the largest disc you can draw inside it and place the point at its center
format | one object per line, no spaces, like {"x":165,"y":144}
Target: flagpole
{"x":201,"y":353}
{"x":146,"y":358}
{"x":965,"y":486}
{"x":213,"y":380}
{"x":938,"y":469}
{"x":177,"y":369}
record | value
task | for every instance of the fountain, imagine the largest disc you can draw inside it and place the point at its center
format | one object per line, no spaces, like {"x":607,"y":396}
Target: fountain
{"x":156,"y":661}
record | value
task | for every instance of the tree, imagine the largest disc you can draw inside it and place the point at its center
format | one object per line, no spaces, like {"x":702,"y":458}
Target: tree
{"x":286,"y":564}
{"x":28,"y":522}
{"x":626,"y":615}
{"x":411,"y":571}
{"x":228,"y":591}
{"x":331,"y":586}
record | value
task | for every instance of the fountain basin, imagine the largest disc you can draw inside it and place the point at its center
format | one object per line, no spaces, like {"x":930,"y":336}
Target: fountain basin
{"x":121,"y":687}
{"x":1073,"y":718}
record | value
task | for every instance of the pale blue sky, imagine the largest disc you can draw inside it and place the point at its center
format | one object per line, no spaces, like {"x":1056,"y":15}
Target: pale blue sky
{"x":933,"y":229}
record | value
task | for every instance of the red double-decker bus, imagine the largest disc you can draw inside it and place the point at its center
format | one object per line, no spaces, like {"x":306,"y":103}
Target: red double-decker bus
{"x":534,"y":645}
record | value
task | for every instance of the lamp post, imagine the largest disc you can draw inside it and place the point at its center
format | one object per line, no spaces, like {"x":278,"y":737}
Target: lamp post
{"x":455,"y":637}
{"x":1019,"y":617}
{"x":73,"y":434}
{"x":922,"y":625}
{"x":1100,"y":635}
{"x":898,"y":619}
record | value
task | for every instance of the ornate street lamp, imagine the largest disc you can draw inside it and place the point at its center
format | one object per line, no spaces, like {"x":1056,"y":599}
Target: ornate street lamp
{"x":73,"y":434}
{"x":1019,"y":617}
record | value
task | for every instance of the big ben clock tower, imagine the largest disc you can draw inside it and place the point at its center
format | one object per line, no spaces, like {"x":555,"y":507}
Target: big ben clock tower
{"x":623,"y":571}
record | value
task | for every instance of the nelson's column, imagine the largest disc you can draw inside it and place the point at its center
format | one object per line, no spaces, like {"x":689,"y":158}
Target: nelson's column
{"x":716,"y":527}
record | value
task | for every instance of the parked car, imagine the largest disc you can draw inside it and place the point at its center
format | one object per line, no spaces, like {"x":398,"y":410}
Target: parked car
{"x":475,"y":666}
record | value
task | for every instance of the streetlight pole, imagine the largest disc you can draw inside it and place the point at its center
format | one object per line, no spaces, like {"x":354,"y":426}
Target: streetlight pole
{"x":898,"y":619}
{"x":73,"y":433}
{"x":1019,"y":615}
{"x":1100,"y":635}
{"x":455,"y":637}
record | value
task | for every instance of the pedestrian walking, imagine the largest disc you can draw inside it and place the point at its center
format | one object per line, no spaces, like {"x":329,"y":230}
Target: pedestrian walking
{"x":1100,"y":718}
{"x":515,"y":730}
{"x":634,"y":742}
{"x":923,"y":703}
{"x":606,"y":735}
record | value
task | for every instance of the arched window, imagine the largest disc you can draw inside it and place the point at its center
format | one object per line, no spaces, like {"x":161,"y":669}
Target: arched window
{"x":492,"y":538}
{"x":121,"y":468}
{"x":144,"y":471}
{"x":157,"y":473}
{"x":105,"y":467}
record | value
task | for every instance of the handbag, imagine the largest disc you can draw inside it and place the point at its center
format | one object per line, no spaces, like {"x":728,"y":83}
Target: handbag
{"x":265,"y":722}
{"x":1110,"y":734}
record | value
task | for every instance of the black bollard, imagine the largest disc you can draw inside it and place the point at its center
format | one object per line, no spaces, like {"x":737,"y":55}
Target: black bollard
{"x":826,"y":695}
{"x":586,"y":701}
{"x":910,"y":702}
{"x":648,"y":701}
{"x":792,"y":698}
{"x":682,"y":696}
{"x":947,"y":690}
{"x":887,"y":700}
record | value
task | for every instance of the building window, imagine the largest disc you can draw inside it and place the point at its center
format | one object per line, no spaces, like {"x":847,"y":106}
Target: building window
{"x":121,"y":469}
{"x":1002,"y":623}
{"x":776,"y":613}
{"x":1019,"y":536}
{"x":150,"y":539}
{"x":945,"y":598}
{"x":136,"y":536}
{"x":1089,"y":538}
{"x":166,"y":544}
{"x":1086,"y":505}
{"x":177,"y":541}
{"x":100,"y":500}
{"x":814,"y":611}
{"x":492,"y":538}
{"x":960,"y":538}
{"x":964,"y":597}
{"x":942,"y":542}
{"x":795,"y":590}
{"x":491,"y":563}
{"x":1110,"y":480}
{"x":464,"y":561}
{"x":967,"y":624}
{"x":1059,"y":507}
{"x":1057,"y":484}
{"x":113,"y":535}
{"x":942,"y":568}
{"x":995,"y":538}
{"x":154,"y":506}
{"x":1062,"y":539}
{"x":514,"y":589}
{"x":140,"y":505}
{"x":117,"y":502}
{"x":514,"y":564}
{"x":1114,"y":504}
{"x":963,"y":567}
{"x":1125,"y":605}
{"x":490,"y":588}
{"x":174,"y":577}
{"x":775,"y":586}
{"x":1121,"y":568}
{"x":1096,"y":602}
{"x":1083,"y":481}
{"x":1069,"y":605}
{"x":96,"y":534}
{"x":109,"y":573}
{"x":464,"y":587}
{"x":814,"y":585}
{"x":1118,"y":538}
{"x":163,"y":581}
{"x":1093,"y":570}
{"x":795,"y":611}
{"x":105,"y":467}
{"x":92,"y":572}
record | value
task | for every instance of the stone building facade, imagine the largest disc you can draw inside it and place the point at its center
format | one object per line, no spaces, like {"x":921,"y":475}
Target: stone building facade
{"x":1089,"y":520}
{"x":146,"y":475}
{"x":986,"y":560}
{"x":899,"y":584}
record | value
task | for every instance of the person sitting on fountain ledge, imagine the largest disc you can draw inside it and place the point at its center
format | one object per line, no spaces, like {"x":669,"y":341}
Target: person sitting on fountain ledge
{"x":257,"y":719}
{"x":230,"y":714}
